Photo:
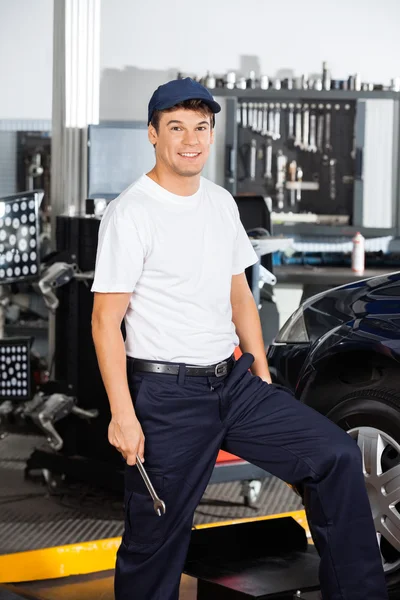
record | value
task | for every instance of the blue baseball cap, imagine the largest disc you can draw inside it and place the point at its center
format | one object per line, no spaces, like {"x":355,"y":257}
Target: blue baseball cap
{"x":172,"y":93}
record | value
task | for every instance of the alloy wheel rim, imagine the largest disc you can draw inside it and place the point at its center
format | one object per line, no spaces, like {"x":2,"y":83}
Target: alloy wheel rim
{"x":383,"y":487}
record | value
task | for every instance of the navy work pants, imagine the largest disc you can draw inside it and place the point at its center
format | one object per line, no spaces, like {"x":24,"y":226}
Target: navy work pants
{"x":186,"y":420}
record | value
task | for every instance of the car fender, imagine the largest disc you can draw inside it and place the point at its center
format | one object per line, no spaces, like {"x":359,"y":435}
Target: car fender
{"x":361,"y":334}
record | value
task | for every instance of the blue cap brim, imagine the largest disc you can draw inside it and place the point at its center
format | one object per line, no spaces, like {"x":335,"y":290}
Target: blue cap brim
{"x":214,"y":106}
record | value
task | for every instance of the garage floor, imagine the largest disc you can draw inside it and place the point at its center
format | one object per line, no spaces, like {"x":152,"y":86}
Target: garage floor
{"x":33,"y":516}
{"x":89,"y":587}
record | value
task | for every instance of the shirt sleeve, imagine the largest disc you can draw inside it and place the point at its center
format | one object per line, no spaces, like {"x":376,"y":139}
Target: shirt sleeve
{"x":120,"y":255}
{"x":244,"y":255}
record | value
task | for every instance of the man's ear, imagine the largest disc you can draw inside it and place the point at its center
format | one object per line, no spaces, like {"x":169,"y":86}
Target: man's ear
{"x":152,"y":133}
{"x":212,"y":136}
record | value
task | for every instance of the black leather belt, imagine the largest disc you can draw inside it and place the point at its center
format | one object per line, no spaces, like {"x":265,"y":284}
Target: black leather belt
{"x":148,"y":366}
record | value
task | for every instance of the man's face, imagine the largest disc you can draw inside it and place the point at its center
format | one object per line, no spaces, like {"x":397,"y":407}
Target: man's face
{"x":183,"y":141}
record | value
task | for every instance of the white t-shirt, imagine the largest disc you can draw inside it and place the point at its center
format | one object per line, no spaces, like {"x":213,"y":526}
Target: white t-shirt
{"x":176,"y":255}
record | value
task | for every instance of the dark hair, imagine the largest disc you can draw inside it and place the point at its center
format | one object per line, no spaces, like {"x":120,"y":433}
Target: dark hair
{"x":197,"y":105}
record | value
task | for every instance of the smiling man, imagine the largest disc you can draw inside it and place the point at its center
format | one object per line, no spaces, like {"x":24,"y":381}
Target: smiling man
{"x":171,"y":262}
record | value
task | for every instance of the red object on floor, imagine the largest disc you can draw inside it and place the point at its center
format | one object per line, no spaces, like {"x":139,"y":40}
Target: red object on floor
{"x":222,"y":455}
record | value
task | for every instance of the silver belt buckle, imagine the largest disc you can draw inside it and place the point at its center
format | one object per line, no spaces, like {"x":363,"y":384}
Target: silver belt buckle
{"x":221,"y":369}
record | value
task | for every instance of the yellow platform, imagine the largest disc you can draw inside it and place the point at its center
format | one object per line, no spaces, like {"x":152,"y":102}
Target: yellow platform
{"x":89,"y":557}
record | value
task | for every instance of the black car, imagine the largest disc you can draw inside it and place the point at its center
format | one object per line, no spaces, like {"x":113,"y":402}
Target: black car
{"x":340,"y":354}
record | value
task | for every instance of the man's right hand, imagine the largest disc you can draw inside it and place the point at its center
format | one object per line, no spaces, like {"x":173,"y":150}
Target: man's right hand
{"x":126,"y":435}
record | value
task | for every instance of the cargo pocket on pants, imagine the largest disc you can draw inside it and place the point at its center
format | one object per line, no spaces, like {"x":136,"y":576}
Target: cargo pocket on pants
{"x":142,"y":525}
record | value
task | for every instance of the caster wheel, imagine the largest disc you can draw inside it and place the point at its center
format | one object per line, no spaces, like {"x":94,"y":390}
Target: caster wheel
{"x":251,"y":491}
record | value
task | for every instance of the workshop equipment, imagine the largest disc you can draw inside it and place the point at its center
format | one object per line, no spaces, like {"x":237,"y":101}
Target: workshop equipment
{"x":34,"y":164}
{"x":343,"y":135}
{"x":265,"y":559}
{"x":345,"y":144}
{"x":19,"y":236}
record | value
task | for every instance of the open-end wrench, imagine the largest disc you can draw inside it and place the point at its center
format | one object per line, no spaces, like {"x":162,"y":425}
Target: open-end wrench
{"x":271,"y":120}
{"x":291,"y":122}
{"x":254,"y":124}
{"x":328,"y":118}
{"x":320,"y":133}
{"x":244,"y":114}
{"x":332,"y":178}
{"x":250,"y":115}
{"x":297,"y":132}
{"x":260,"y":118}
{"x":159,"y":505}
{"x":281,"y":163}
{"x":313,"y":133}
{"x":300,"y":181}
{"x":268,"y":163}
{"x":292,"y":177}
{"x":306,"y":127}
{"x":265,"y":119}
{"x":253,"y":159}
{"x":277,"y":123}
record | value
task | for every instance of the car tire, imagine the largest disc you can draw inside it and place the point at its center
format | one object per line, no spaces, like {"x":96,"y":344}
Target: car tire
{"x":376,"y":412}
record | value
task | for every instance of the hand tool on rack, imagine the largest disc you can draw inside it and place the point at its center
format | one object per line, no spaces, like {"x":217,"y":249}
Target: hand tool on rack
{"x":244,"y":114}
{"x":306,"y":127}
{"x":313,"y":133}
{"x":253,"y":159}
{"x":268,"y":163}
{"x":281,"y":162}
{"x":271,"y":120}
{"x":292,"y":177}
{"x":320,"y":129}
{"x":332,"y":178}
{"x":299,"y":181}
{"x":254,"y":123}
{"x":260,"y":118}
{"x":291,"y":122}
{"x":265,"y":119}
{"x":328,"y":120}
{"x":250,"y":115}
{"x":159,"y":505}
{"x":277,"y":123}
{"x":297,"y":133}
